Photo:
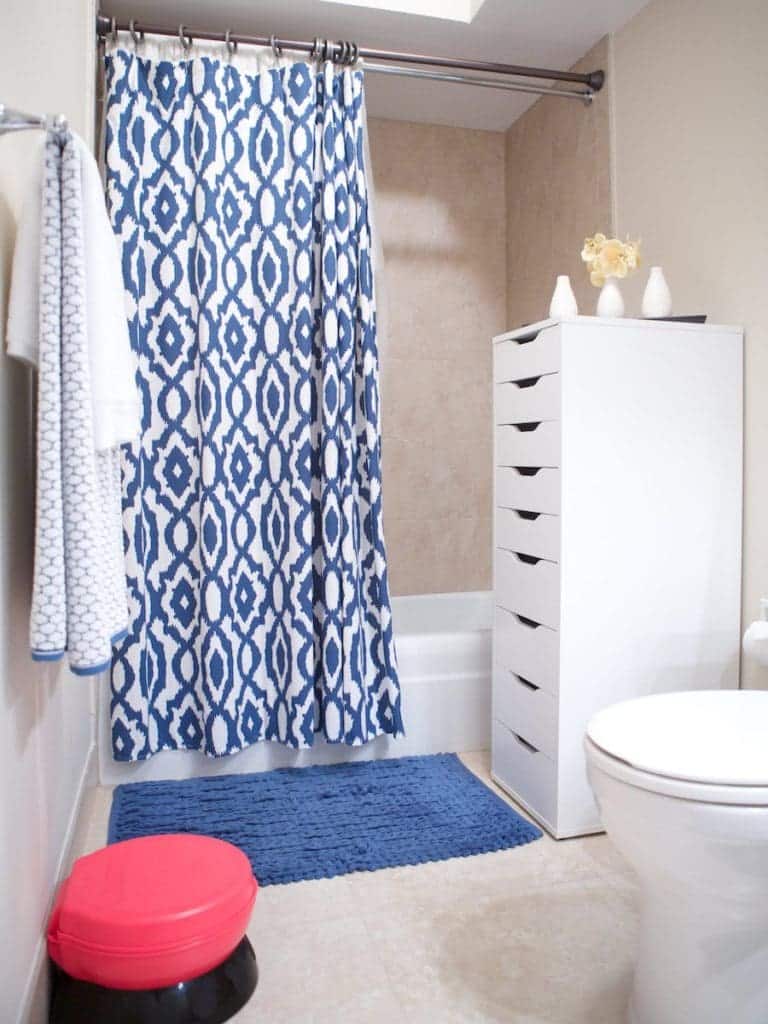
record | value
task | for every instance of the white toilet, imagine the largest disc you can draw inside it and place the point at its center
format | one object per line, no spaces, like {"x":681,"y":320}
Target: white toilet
{"x":681,"y":780}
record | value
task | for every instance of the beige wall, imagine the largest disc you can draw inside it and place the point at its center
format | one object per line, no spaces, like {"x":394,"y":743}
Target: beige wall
{"x":440,"y":212}
{"x":691,"y":147}
{"x":46,"y":721}
{"x":558,"y":191}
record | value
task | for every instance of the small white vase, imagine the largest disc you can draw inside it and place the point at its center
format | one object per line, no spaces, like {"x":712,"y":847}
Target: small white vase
{"x":657,"y":298}
{"x":610,"y":302}
{"x":563,"y":302}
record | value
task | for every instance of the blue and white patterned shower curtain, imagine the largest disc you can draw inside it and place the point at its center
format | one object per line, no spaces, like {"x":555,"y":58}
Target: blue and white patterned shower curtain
{"x":252,"y":506}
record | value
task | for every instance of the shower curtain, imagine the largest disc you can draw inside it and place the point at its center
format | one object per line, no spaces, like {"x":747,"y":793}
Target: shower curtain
{"x":252,"y":505}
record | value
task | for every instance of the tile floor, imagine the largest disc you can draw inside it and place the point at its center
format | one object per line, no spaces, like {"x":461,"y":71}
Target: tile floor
{"x":541,"y":934}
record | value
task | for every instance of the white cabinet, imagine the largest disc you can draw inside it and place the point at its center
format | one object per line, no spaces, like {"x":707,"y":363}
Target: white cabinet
{"x":617,"y":535}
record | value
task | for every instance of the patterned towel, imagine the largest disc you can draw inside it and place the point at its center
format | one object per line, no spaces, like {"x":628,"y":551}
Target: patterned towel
{"x":79,"y":599}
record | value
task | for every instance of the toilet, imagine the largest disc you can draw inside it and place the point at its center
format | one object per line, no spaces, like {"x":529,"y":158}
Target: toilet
{"x":681,"y":780}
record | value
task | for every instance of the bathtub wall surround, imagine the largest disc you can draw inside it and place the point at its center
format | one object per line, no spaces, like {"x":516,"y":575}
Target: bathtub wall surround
{"x":444,"y":658}
{"x":558,"y":189}
{"x":439,"y":209}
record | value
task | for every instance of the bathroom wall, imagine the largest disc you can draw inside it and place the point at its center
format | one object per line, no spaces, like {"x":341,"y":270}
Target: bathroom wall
{"x":46,"y":715}
{"x":558,"y":191}
{"x":691,"y":155}
{"x":440,"y":213}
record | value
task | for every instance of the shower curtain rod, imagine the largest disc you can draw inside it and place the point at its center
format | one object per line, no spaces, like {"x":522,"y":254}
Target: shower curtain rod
{"x":340,"y":52}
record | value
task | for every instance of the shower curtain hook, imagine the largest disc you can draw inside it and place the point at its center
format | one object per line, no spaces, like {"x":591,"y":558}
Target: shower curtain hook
{"x":354,"y":53}
{"x":184,"y":39}
{"x":137,"y":37}
{"x":113,"y":31}
{"x":231,"y":43}
{"x":277,"y":51}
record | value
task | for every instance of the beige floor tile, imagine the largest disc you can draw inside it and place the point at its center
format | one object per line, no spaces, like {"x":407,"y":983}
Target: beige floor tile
{"x":540,"y":934}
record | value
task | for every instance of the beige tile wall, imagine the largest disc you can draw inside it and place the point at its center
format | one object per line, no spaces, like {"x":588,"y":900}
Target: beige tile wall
{"x":558,"y":191}
{"x":440,"y":212}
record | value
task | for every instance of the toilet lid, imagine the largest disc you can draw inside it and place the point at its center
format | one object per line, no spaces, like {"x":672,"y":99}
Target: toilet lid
{"x":714,"y":736}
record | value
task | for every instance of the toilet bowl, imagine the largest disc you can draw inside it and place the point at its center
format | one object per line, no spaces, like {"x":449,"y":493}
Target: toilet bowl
{"x":681,"y":780}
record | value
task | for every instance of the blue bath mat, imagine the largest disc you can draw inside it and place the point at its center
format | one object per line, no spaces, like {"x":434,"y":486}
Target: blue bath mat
{"x":297,"y":823}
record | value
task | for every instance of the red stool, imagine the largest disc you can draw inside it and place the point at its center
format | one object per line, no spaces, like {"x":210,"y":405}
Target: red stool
{"x":153,"y":930}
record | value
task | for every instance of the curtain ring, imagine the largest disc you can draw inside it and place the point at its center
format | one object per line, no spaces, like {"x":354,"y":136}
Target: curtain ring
{"x":326,"y":55}
{"x":346,"y":49}
{"x":185,"y":39}
{"x":135,"y":36}
{"x":354,"y":54}
{"x":230,"y":43}
{"x":277,"y":51}
{"x":314,"y":53}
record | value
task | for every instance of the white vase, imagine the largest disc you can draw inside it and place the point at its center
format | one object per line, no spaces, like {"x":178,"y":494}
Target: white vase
{"x":563,"y":302}
{"x":657,"y":298}
{"x":610,"y":302}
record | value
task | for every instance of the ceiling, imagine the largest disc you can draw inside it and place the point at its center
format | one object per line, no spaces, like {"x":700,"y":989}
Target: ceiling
{"x":544,"y":33}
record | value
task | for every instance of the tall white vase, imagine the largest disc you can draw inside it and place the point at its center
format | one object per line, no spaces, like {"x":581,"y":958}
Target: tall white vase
{"x":563,"y":302}
{"x":657,"y":298}
{"x":610,"y":302}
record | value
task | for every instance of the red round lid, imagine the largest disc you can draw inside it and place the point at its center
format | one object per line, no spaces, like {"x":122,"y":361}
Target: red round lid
{"x":164,"y":904}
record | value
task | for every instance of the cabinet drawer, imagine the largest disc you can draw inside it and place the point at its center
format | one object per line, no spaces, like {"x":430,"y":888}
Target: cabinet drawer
{"x":537,"y":398}
{"x":528,"y":444}
{"x":526,"y":709}
{"x":529,"y":356}
{"x":526,"y":772}
{"x":530,"y":589}
{"x":535,"y":491}
{"x":533,"y":651}
{"x":530,"y":533}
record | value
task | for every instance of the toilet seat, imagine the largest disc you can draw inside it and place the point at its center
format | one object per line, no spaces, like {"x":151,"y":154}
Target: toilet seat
{"x":706,"y":745}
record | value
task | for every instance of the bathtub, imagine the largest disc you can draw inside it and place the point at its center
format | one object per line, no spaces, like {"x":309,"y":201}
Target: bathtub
{"x":443,"y":646}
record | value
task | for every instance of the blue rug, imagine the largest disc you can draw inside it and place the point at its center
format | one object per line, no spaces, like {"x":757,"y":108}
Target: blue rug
{"x":298,"y":823}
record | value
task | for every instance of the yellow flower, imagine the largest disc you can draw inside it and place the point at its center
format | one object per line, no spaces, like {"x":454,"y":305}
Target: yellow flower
{"x":592,"y":247}
{"x":609,"y":257}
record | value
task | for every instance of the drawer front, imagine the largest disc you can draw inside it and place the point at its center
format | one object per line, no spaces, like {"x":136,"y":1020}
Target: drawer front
{"x":532,"y":651}
{"x":526,"y":709}
{"x":522,"y":358}
{"x":537,"y":491}
{"x":530,"y":533}
{"x":528,"y":773}
{"x":528,"y":444}
{"x":537,"y":398}
{"x":530,"y":589}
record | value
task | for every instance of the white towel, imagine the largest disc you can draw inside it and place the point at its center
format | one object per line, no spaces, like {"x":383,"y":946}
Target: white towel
{"x":115,"y":398}
{"x":79,"y":594}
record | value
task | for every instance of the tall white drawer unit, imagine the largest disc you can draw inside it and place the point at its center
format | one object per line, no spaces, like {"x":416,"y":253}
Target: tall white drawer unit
{"x":617,"y":536}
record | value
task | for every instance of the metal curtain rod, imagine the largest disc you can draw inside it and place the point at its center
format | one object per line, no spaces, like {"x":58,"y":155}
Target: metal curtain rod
{"x":17,"y":121}
{"x":339,"y":51}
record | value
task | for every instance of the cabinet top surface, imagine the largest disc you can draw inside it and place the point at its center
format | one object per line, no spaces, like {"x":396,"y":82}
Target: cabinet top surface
{"x":597,"y":321}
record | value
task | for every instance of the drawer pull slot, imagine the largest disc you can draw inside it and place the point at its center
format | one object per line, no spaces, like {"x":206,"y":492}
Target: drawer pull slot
{"x":526,"y":515}
{"x":526,"y":682}
{"x":527,"y":428}
{"x":527,"y":470}
{"x":527,"y":622}
{"x":526,"y":339}
{"x":525,"y":743}
{"x":528,"y":382}
{"x":528,"y":559}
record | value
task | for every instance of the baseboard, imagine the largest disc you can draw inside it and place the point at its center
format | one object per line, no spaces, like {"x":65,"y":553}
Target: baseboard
{"x":34,"y":1003}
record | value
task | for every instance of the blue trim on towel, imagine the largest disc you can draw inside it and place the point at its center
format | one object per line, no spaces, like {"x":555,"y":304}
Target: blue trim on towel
{"x":90,"y":670}
{"x":46,"y":655}
{"x":120,"y":635}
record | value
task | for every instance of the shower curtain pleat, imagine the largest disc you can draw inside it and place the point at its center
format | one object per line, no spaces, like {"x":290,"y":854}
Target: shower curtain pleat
{"x":252,"y":506}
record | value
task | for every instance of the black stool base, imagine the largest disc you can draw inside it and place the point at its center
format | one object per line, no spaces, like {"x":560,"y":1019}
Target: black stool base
{"x":210,"y":999}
